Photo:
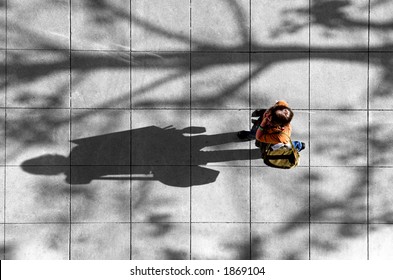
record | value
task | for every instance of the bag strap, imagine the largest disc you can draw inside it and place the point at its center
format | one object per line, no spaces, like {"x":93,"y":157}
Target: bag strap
{"x":279,"y":156}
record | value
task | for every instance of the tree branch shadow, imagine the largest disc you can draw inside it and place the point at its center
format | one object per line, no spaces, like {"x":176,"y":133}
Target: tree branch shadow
{"x":111,"y":162}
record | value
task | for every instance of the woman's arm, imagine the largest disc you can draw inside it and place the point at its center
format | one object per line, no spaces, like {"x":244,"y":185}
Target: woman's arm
{"x":272,"y":138}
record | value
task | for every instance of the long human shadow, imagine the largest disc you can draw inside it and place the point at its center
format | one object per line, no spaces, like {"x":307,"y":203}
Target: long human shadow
{"x":169,"y":155}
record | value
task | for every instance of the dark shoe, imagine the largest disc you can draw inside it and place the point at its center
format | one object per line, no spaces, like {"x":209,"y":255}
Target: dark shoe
{"x":243,"y":135}
{"x":258,"y":113}
{"x":303,"y":146}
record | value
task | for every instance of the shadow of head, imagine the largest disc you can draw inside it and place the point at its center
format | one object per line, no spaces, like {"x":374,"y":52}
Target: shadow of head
{"x":46,"y":165}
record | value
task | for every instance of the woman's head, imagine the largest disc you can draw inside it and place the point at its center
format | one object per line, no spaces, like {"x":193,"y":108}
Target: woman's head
{"x":281,"y":115}
{"x":49,"y":165}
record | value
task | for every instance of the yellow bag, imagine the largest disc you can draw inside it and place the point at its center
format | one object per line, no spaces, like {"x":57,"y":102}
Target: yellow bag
{"x":284,"y":157}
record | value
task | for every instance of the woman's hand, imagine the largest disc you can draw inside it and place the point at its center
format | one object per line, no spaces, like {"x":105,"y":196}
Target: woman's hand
{"x":266,"y":118}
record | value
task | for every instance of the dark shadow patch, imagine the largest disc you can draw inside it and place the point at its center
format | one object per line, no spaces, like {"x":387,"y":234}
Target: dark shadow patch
{"x":161,"y":154}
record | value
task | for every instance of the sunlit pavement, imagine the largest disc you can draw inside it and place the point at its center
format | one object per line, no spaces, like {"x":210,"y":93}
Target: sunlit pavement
{"x":119,"y":121}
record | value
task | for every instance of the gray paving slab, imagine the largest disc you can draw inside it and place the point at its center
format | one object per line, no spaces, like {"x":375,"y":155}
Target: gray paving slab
{"x":160,"y":80}
{"x":102,"y":200}
{"x":279,"y":76}
{"x":340,"y":25}
{"x":380,"y":195}
{"x":2,"y":78}
{"x":280,"y":241}
{"x":160,"y":198}
{"x":3,"y":26}
{"x":220,"y":80}
{"x":34,"y":197}
{"x":100,"y":241}
{"x":100,"y":25}
{"x":220,"y":25}
{"x":2,"y":137}
{"x":228,"y":241}
{"x":48,"y":27}
{"x":277,"y":25}
{"x":43,"y":132}
{"x":267,"y":202}
{"x":219,"y":145}
{"x":380,"y":82}
{"x":227,"y":199}
{"x":158,"y":138}
{"x":2,"y":188}
{"x":379,"y":243}
{"x":36,"y":241}
{"x":337,"y":84}
{"x":160,"y":25}
{"x":38,"y":78}
{"x":338,"y":242}
{"x":91,"y":123}
{"x":160,"y":241}
{"x":344,"y":129}
{"x":112,"y":154}
{"x":381,"y":127}
{"x":100,"y":79}
{"x":343,"y":200}
{"x":2,"y":255}
{"x":301,"y":132}
{"x":380,"y":22}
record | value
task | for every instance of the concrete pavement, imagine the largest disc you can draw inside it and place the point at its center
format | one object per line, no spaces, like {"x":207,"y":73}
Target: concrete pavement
{"x":119,"y":120}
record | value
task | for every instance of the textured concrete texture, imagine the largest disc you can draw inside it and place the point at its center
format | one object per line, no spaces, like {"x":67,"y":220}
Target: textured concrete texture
{"x":118,"y":124}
